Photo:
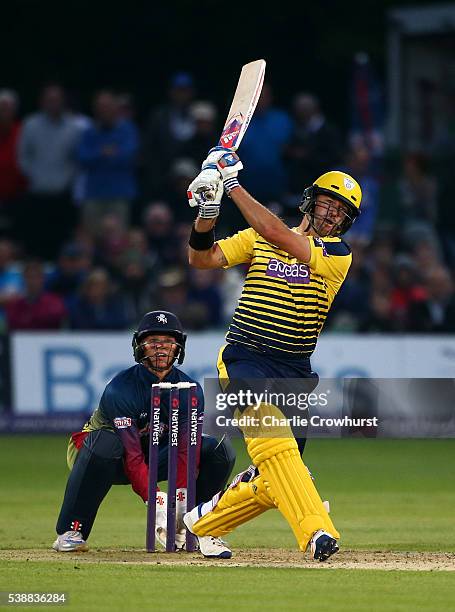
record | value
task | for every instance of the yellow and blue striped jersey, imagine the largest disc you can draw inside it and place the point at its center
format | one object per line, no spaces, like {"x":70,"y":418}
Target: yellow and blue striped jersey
{"x":284,"y":302}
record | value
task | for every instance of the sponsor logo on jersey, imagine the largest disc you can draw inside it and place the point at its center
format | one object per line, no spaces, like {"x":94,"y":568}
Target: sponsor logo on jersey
{"x":296,"y":273}
{"x":122,"y":422}
{"x":318,"y":242}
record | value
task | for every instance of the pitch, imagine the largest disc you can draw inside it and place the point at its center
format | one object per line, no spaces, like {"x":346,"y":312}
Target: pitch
{"x":392,"y":500}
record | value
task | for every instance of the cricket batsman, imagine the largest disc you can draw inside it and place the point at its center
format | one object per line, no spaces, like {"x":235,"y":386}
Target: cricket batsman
{"x":293,"y":277}
{"x":112,"y":447}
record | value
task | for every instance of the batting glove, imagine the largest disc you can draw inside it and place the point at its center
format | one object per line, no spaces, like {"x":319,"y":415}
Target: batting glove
{"x":206,"y":192}
{"x":227,"y":163}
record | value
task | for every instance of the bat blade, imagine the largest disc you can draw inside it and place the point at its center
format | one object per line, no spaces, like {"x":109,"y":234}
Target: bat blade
{"x":246,"y":97}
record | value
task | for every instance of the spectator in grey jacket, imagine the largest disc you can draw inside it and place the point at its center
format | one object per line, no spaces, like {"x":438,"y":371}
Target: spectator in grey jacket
{"x":46,"y":156}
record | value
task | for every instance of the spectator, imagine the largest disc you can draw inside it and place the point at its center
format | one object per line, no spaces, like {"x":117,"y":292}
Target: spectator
{"x":182,"y":234}
{"x":47,"y":157}
{"x":315,"y":144}
{"x":97,"y":307}
{"x":12,"y":182}
{"x":204,"y":293}
{"x":126,"y":106}
{"x":137,"y":242}
{"x":112,"y":241}
{"x":168,"y":129}
{"x":181,"y":174}
{"x":425,"y":255}
{"x":135,"y":286}
{"x":11,"y":278}
{"x":268,"y":135}
{"x":37,"y":309}
{"x":137,"y":250}
{"x":172,"y":292}
{"x":407,"y":290}
{"x":71,"y":270}
{"x":108,"y":155}
{"x":205,"y":135}
{"x":380,"y":255}
{"x":444,"y":163}
{"x":350,"y":308}
{"x":359,"y":165}
{"x":418,"y":190}
{"x":379,"y":318}
{"x":158,"y":223}
{"x":436,"y":313}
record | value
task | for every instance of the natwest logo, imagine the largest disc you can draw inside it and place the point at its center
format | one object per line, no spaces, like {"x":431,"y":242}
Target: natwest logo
{"x":122,"y":422}
{"x":296,"y":273}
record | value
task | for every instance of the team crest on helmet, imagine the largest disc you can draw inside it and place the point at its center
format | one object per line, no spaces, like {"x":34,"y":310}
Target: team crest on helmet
{"x":161,"y":318}
{"x":348,"y":183}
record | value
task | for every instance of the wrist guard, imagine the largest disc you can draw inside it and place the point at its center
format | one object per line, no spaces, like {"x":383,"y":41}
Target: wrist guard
{"x":202,"y":241}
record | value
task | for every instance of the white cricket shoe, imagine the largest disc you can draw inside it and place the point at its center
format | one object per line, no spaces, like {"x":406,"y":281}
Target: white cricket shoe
{"x":70,"y":541}
{"x":209,"y":546}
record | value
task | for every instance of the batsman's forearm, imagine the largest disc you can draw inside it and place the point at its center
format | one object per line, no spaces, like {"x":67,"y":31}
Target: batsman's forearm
{"x":205,"y":259}
{"x":204,"y":225}
{"x":268,"y":225}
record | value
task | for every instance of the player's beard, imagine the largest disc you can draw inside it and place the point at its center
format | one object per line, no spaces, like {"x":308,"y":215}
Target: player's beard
{"x":324,"y":226}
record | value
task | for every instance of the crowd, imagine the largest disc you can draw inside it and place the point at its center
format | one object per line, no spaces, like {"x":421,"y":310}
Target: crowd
{"x":94,"y":220}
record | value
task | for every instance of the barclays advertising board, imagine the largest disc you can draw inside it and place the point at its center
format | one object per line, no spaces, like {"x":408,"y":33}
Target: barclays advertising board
{"x":64,"y":372}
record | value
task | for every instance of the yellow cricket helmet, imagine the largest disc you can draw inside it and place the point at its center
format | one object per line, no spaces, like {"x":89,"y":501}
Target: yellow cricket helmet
{"x":340,"y":186}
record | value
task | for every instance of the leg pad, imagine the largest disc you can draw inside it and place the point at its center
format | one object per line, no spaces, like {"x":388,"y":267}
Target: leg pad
{"x":290,"y":486}
{"x":237,"y":506}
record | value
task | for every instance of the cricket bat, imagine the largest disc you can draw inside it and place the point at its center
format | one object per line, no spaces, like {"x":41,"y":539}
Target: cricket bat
{"x":243,"y":104}
{"x":245,"y":99}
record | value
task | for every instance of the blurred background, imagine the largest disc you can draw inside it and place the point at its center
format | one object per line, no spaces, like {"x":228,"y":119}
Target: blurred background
{"x":106,"y":112}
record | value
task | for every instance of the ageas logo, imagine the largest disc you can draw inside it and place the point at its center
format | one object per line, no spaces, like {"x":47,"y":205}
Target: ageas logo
{"x":296,"y":273}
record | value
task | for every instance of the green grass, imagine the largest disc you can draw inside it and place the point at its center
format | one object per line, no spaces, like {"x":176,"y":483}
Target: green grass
{"x":110,"y":587}
{"x":384,"y":494}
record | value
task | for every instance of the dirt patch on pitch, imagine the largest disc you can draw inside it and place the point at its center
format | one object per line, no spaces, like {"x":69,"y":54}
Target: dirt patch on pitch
{"x":346,"y":559}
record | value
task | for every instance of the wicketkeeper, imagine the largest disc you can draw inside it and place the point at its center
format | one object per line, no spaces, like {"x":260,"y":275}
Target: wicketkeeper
{"x":112,"y":447}
{"x":293,"y":277}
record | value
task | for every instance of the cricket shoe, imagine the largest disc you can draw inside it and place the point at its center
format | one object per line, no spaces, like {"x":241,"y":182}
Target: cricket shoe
{"x":323,"y":545}
{"x":70,"y":541}
{"x":211,"y":547}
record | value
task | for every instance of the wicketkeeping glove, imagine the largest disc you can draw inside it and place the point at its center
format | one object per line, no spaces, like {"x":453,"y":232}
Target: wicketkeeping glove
{"x":161,"y":518}
{"x":180,"y":511}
